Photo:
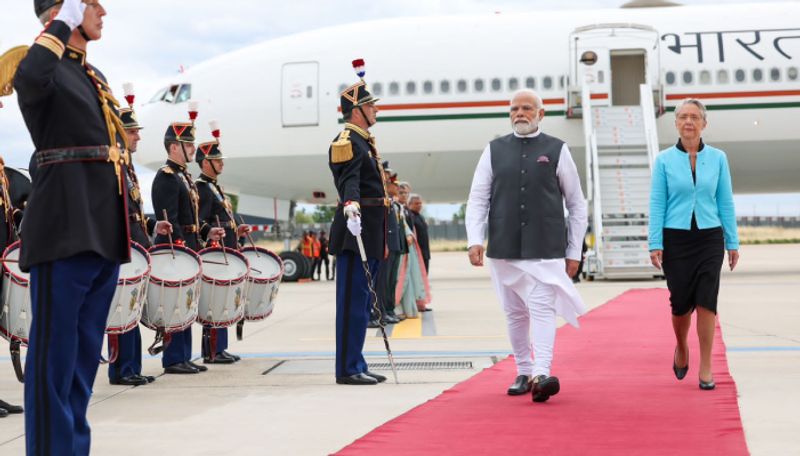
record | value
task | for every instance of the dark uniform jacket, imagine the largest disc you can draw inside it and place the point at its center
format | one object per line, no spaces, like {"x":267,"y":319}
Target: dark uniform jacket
{"x":421,"y":227}
{"x":213,"y":204}
{"x":74,"y":207}
{"x":394,"y":236}
{"x":141,"y":227}
{"x":11,"y":218}
{"x":358,"y":176}
{"x":174,"y":190}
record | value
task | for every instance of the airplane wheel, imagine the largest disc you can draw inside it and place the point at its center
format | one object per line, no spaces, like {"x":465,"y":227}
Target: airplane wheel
{"x":309,"y":271}
{"x":294,"y":266}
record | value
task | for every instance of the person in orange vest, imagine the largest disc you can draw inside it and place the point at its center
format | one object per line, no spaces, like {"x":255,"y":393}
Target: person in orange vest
{"x":306,"y":245}
{"x":316,"y":252}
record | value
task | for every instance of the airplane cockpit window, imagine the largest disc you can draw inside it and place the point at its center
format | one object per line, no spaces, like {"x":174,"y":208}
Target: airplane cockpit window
{"x":496,"y":85}
{"x":705,"y":77}
{"x":688,"y":77}
{"x":477,"y":85}
{"x":461,"y":85}
{"x":670,"y":78}
{"x":444,"y":86}
{"x":530,"y":83}
{"x":377,"y":89}
{"x":176,"y":93}
{"x":722,"y":77}
{"x":411,"y":88}
{"x":792,"y":73}
{"x":513,"y":83}
{"x":427,"y":87}
{"x":159,"y":95}
{"x":758,"y":75}
{"x":739,"y":75}
{"x":394,"y":88}
{"x":775,"y":74}
{"x":547,"y":83}
{"x":184,"y":94}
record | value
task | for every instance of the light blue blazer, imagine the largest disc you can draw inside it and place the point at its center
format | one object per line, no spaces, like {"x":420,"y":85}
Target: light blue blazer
{"x":674,"y":196}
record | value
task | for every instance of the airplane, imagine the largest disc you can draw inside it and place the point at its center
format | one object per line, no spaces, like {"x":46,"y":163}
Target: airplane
{"x":445,"y":85}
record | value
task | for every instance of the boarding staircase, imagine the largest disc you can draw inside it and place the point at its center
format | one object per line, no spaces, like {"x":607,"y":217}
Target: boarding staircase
{"x":621,"y":145}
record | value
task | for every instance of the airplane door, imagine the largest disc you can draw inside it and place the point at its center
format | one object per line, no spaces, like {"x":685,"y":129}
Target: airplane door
{"x":628,"y":71}
{"x":299,"y":94}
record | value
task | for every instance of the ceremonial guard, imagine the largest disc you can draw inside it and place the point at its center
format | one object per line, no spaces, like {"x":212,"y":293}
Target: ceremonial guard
{"x":216,"y":207}
{"x":174,"y":192}
{"x":127,"y":368}
{"x":75,"y":231}
{"x":359,"y":179}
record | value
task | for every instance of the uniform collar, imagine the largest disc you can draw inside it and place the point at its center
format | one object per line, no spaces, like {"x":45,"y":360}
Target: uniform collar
{"x":361,"y":132}
{"x":176,"y":165}
{"x":532,"y":135}
{"x":208,"y":178}
{"x":680,"y":147}
{"x":76,"y":55}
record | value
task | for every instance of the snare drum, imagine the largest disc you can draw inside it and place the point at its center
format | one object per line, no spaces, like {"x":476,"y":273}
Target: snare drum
{"x":173,"y":288}
{"x":222,"y":294}
{"x":126,"y":306}
{"x":15,"y":305}
{"x":266,"y":271}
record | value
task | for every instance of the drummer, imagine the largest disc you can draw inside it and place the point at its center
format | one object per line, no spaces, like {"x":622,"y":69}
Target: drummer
{"x":174,"y":192}
{"x":127,"y":369}
{"x":215,"y":205}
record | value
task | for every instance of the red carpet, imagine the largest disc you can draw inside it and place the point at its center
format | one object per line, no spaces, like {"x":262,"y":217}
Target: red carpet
{"x":618,"y":397}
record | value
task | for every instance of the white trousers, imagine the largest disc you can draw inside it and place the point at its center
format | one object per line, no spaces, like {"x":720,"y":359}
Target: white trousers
{"x":530,"y":307}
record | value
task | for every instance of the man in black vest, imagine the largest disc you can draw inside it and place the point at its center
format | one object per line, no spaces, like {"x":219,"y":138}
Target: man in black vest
{"x":358,"y":176}
{"x":215,"y":205}
{"x":421,"y":228}
{"x":386,"y":282}
{"x":521,"y":185}
{"x":75,"y":231}
{"x":174,"y":191}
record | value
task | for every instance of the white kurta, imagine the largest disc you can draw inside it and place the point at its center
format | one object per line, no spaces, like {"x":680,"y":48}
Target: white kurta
{"x":533,"y":289}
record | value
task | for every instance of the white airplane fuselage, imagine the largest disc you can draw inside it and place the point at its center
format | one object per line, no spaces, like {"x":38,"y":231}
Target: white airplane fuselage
{"x":277,"y":101}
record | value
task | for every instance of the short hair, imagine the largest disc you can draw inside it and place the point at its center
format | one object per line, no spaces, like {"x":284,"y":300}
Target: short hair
{"x":169,"y":143}
{"x":404,"y":184}
{"x":693,"y":101}
{"x":538,"y":103}
{"x":414,"y":196}
{"x":346,"y":116}
{"x":45,"y":16}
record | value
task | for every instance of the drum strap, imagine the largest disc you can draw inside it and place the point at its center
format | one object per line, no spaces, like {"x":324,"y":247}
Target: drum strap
{"x":240,"y":330}
{"x":161,"y":336}
{"x":16,"y":360}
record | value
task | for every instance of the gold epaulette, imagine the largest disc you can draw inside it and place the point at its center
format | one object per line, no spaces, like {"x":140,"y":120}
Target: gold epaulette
{"x":167,"y":169}
{"x":8,"y":68}
{"x":342,"y":148}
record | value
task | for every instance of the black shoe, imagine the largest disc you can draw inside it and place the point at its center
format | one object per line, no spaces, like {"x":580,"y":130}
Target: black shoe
{"x":427,"y":309}
{"x":181,"y":368}
{"x":680,"y":372}
{"x":390,"y":320}
{"x":373,"y":324}
{"x":149,"y":378}
{"x":231,"y":355}
{"x":707,"y":386}
{"x":220,"y":358}
{"x":522,"y":385}
{"x":199,"y":367}
{"x":380,"y":378}
{"x":131,"y":380}
{"x":544,"y":387}
{"x":12,"y":409}
{"x":3,"y":413}
{"x":358,"y":379}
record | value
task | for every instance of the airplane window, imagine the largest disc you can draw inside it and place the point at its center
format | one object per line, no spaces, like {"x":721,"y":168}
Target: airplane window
{"x":169,"y":97}
{"x":427,"y":87}
{"x":411,"y":88}
{"x":462,"y":85}
{"x":758,"y":75}
{"x":478,"y":85}
{"x":791,"y":73}
{"x":705,"y":77}
{"x":547,"y":82}
{"x":530,"y":83}
{"x":601,"y":77}
{"x":561,"y":82}
{"x":496,"y":85}
{"x":185,"y":93}
{"x":688,"y":77}
{"x":513,"y":84}
{"x":394,"y":88}
{"x":670,"y":77}
{"x":722,"y":77}
{"x":444,"y":86}
{"x":159,"y":95}
{"x":775,"y":74}
{"x":377,"y":89}
{"x":739,"y":75}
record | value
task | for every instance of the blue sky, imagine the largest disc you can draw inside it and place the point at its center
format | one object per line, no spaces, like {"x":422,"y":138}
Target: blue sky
{"x":147,"y":40}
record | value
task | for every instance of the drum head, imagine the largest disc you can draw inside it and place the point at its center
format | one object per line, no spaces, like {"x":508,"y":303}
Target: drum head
{"x":183,"y":266}
{"x":139,"y":265}
{"x":263,"y":265}
{"x":12,"y":253}
{"x":214,"y":266}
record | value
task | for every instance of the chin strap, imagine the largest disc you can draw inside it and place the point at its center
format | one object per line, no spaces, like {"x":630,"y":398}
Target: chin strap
{"x":185,"y":155}
{"x":84,"y":34}
{"x":216,"y":171}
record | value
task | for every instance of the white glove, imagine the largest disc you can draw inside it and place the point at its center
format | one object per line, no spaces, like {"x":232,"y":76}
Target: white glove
{"x":354,"y":225}
{"x":71,"y":13}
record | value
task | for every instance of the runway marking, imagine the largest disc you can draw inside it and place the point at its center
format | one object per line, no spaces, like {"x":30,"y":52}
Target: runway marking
{"x":410,"y":328}
{"x":764,"y":349}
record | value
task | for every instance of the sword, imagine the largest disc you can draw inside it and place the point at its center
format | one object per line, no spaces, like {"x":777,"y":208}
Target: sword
{"x":374,"y":298}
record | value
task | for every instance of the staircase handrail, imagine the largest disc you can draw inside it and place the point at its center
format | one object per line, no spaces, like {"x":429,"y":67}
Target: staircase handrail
{"x":649,"y":120}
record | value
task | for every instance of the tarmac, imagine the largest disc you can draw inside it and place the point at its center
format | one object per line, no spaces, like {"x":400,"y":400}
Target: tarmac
{"x":281,"y":399}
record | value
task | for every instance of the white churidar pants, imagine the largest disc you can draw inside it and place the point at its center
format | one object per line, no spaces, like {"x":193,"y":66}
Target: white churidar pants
{"x":532,"y":293}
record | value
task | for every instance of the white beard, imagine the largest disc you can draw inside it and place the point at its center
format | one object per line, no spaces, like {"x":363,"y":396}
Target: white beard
{"x":523,"y":128}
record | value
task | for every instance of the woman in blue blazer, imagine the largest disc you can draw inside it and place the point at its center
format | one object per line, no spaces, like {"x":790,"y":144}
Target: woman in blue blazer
{"x":692,"y":223}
